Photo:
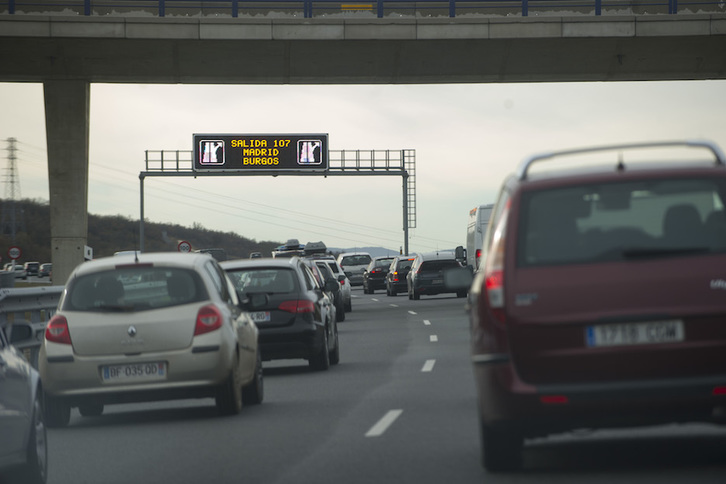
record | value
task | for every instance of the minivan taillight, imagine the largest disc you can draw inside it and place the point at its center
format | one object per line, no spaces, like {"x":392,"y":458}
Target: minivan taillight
{"x":494,"y":270}
{"x":57,"y":330}
{"x":209,"y":319}
{"x":297,"y":306}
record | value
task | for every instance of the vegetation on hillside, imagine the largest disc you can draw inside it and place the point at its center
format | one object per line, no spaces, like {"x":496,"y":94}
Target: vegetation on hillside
{"x":109,"y":234}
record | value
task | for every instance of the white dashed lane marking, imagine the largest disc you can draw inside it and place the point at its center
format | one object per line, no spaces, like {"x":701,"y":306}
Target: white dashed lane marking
{"x":433,"y":338}
{"x":382,"y":425}
{"x":428,"y":366}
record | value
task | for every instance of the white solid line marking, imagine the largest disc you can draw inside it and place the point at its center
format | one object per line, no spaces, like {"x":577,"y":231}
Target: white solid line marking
{"x":382,"y":425}
{"x":428,"y":366}
{"x":412,"y":312}
{"x":434,"y":338}
{"x":427,"y":322}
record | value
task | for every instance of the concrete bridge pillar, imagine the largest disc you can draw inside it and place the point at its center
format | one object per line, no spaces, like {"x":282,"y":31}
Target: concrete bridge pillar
{"x":67,"y":113}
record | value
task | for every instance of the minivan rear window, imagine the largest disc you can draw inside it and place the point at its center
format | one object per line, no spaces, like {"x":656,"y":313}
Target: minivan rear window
{"x":355,"y":260}
{"x":621,"y":221}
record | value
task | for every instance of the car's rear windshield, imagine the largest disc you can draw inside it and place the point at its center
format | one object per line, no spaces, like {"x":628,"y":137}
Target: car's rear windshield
{"x":135,"y":288}
{"x":383,"y":263}
{"x":622,"y":221}
{"x":355,"y":260}
{"x":404,"y":264}
{"x":438,"y":265}
{"x":272,"y":280}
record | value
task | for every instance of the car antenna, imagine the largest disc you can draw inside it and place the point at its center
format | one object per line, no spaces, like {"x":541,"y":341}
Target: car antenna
{"x":621,"y":165}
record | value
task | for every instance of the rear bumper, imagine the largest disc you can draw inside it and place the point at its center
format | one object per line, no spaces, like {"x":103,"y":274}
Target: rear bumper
{"x":191,"y":374}
{"x":291,"y":342}
{"x":543,"y":409}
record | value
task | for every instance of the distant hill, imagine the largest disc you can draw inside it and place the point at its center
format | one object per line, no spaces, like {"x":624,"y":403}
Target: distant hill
{"x":373,"y":251}
{"x":109,"y":234}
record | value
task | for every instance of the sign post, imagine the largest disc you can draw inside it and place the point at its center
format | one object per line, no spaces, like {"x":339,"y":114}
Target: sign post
{"x":15,"y":253}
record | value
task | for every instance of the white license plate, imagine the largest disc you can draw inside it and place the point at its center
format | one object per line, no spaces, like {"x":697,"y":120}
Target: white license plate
{"x":135,"y":372}
{"x":260,"y":316}
{"x":625,"y":334}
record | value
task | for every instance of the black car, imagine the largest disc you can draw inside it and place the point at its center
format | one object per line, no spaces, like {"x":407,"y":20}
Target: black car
{"x":396,"y":276}
{"x":427,"y":274}
{"x":374,"y":276}
{"x":293,"y":313}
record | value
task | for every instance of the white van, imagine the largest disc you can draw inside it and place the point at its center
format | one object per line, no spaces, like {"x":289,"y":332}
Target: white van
{"x":475,"y":232}
{"x":354,"y":265}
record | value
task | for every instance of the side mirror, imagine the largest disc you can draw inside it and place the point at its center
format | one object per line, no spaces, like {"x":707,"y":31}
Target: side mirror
{"x":460,"y":253}
{"x":341,"y":279}
{"x":458,"y":278}
{"x":331,"y":285}
{"x":19,"y":333}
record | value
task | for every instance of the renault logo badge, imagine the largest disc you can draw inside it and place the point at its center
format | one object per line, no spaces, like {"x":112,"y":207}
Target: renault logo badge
{"x":131,"y":331}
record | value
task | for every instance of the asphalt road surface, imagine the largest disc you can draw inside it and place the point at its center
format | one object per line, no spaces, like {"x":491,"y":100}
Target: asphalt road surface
{"x":399,"y":408}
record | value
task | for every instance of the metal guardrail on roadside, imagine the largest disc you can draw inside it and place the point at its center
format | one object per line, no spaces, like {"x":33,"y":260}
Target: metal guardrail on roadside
{"x":29,"y":305}
{"x":379,"y":8}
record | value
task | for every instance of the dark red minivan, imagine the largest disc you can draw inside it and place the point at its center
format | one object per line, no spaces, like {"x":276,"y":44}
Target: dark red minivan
{"x":602,"y":299}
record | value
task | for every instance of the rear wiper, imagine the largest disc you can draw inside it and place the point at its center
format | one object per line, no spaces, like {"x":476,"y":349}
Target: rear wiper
{"x":646,"y":252}
{"x":116,"y":308}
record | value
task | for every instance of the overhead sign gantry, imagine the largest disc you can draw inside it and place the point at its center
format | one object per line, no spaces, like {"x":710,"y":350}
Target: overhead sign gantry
{"x":279,"y":155}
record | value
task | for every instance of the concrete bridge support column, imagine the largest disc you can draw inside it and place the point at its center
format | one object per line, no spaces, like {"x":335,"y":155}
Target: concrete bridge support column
{"x":67,"y":113}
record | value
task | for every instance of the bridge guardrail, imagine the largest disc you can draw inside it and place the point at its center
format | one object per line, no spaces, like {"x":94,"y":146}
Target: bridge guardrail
{"x":379,"y":8}
{"x":31,"y":305}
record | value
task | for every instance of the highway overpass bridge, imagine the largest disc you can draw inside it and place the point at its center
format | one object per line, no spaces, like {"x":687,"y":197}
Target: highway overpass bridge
{"x":67,"y":50}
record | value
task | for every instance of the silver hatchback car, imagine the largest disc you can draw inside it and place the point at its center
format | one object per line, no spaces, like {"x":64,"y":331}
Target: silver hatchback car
{"x":150,"y":327}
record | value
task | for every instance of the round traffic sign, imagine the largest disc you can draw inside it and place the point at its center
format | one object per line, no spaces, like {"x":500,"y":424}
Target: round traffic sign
{"x":14,"y":252}
{"x":184,"y":246}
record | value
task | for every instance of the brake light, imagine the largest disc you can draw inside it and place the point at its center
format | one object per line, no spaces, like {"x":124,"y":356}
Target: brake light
{"x":57,"y":330}
{"x":719,"y":391}
{"x":297,"y":306}
{"x":494,"y":271}
{"x":477,"y":256}
{"x":554,"y":399}
{"x":208,"y":319}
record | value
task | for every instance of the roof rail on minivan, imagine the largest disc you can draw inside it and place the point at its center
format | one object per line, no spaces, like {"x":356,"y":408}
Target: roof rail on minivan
{"x":718,"y":154}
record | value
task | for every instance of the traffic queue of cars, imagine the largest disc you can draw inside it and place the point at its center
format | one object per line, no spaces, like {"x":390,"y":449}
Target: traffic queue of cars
{"x":597,"y":302}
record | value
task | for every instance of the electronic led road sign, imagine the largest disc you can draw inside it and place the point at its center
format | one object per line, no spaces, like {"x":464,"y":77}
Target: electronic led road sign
{"x":260,"y":152}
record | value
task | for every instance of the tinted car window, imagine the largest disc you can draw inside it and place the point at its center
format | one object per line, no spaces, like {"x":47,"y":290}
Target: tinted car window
{"x":619,"y":221}
{"x":383,"y":263}
{"x":272,"y":280}
{"x":404,"y":264}
{"x":134,"y":289}
{"x":355,"y":260}
{"x":437,"y":265}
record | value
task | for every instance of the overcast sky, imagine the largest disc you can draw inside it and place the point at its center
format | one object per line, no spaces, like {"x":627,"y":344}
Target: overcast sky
{"x":467,"y":138}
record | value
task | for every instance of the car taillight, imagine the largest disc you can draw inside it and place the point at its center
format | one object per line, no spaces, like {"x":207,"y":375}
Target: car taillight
{"x":57,"y":330}
{"x":477,"y":259}
{"x":209,"y":319}
{"x":297,"y":306}
{"x":494,"y":271}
